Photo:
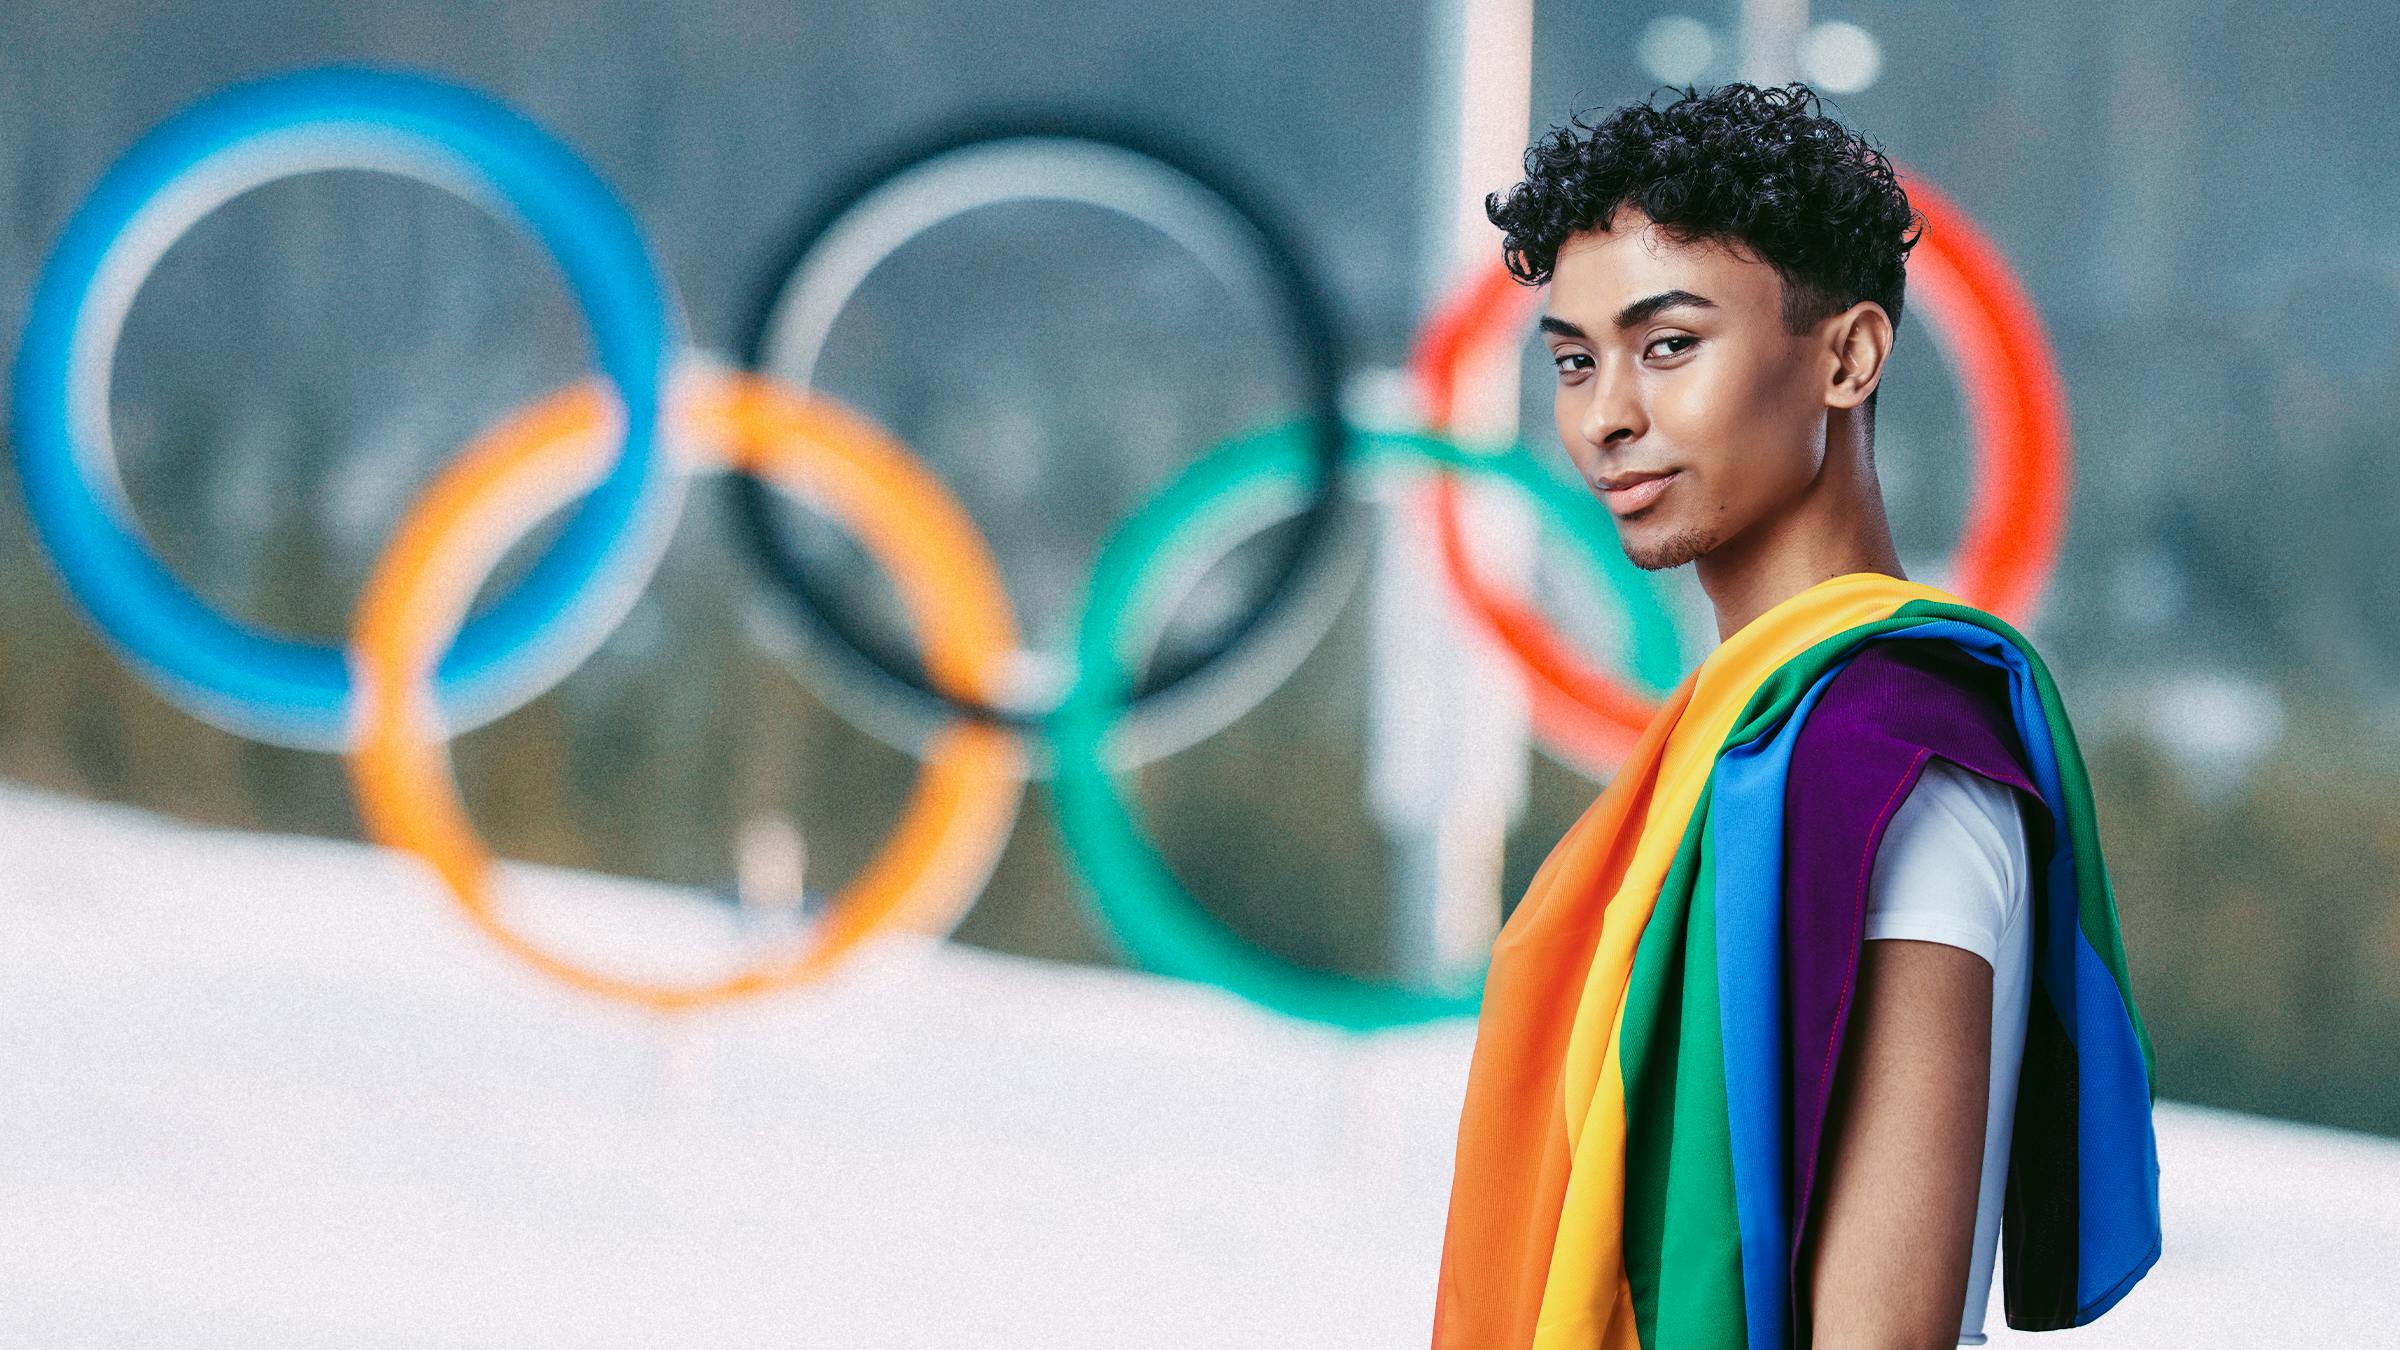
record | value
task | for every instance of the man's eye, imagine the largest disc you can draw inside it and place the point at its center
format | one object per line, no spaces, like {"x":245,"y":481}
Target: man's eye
{"x":1570,"y":362}
{"x":1675,"y":345}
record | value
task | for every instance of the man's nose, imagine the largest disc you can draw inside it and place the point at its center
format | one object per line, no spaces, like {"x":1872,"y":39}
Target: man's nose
{"x":1614,"y":416}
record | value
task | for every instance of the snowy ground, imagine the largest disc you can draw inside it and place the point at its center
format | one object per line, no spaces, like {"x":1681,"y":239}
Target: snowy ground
{"x":263,"y":1092}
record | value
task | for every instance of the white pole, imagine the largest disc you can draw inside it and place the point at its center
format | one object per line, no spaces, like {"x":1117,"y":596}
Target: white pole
{"x":1451,"y":729}
{"x":1771,"y":33}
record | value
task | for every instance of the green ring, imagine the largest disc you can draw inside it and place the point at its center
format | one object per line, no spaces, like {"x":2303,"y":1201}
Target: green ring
{"x":1148,"y":912}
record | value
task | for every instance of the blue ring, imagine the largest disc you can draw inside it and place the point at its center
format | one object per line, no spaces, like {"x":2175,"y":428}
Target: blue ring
{"x":296,"y":693}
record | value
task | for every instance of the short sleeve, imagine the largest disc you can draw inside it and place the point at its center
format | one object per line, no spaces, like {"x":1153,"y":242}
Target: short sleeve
{"x":1951,"y":863}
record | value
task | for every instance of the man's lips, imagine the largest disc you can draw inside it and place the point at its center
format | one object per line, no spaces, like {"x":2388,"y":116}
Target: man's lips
{"x":1627,"y":493}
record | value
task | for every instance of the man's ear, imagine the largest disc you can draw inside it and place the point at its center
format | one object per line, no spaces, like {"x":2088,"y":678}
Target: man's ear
{"x":1859,"y":341}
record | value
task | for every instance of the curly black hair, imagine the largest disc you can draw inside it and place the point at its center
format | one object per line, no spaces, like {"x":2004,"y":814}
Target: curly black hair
{"x":1763,"y":169}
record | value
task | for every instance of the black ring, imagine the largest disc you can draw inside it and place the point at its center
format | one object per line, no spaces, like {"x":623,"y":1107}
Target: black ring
{"x":823,"y":612}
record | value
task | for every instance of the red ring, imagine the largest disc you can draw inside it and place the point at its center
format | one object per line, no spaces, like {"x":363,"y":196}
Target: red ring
{"x":2017,"y":421}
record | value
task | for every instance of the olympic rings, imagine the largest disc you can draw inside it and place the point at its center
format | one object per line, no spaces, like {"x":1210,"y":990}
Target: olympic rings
{"x":1159,"y":924}
{"x":254,"y":683}
{"x":2016,"y":407}
{"x":416,"y":671}
{"x":965,"y":802}
{"x":1039,"y":158}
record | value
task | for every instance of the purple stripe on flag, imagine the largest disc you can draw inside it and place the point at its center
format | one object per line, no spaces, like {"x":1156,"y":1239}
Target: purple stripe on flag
{"x":1895,"y":705}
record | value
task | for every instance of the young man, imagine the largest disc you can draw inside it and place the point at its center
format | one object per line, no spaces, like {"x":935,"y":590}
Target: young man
{"x":1828,"y":982}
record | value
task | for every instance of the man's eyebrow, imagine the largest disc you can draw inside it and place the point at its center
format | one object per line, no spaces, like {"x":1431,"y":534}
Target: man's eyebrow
{"x":1650,"y":306}
{"x":1553,"y":324}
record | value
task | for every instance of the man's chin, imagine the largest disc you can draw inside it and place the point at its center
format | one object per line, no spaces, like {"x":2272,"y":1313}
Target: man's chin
{"x":1671,"y":548}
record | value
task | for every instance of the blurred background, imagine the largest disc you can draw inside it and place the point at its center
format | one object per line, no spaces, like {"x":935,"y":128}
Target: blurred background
{"x":2195,"y":197}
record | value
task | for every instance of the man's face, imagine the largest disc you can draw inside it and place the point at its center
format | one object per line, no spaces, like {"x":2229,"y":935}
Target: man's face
{"x":1682,"y":399}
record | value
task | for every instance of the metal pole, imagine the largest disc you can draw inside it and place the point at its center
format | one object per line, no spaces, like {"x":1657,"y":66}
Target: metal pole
{"x":1771,"y":33}
{"x":1450,"y":725}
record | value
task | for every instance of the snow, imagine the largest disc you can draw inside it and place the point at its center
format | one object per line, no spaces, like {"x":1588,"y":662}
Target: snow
{"x":263,"y":1091}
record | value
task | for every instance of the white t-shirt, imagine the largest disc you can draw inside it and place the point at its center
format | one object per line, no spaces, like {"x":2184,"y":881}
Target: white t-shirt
{"x":1953,"y":868}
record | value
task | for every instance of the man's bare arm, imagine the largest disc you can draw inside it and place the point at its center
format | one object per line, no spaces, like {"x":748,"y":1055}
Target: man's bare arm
{"x":1888,"y":1270}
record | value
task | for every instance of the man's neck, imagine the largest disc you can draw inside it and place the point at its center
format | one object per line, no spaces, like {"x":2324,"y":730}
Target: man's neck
{"x":1837,"y":527}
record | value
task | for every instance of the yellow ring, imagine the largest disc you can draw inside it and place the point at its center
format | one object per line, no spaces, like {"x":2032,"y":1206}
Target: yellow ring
{"x":965,"y":801}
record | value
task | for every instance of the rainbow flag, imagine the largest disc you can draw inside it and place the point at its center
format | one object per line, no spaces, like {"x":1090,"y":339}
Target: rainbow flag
{"x":1626,"y":1160}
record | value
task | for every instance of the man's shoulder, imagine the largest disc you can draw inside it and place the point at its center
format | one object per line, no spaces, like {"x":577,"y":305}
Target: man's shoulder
{"x":1907,"y":699}
{"x":1891,"y":677}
